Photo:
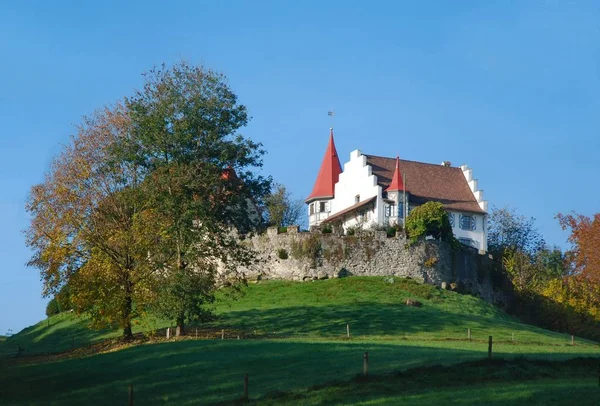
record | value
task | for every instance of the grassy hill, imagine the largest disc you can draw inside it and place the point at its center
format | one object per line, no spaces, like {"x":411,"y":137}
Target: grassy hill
{"x":293,"y":337}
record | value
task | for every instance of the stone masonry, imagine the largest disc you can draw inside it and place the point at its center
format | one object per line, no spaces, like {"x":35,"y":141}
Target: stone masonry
{"x":306,"y":256}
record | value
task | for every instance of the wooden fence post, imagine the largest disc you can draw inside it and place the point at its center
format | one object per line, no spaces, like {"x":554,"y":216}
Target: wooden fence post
{"x":246,"y":386}
{"x":490,"y":348}
{"x":469,"y":334}
{"x":348,"y":330}
{"x":196,"y":332}
{"x":366,"y":364}
{"x":131,"y":395}
{"x":572,"y":339}
{"x":222,"y":334}
{"x":168,"y":332}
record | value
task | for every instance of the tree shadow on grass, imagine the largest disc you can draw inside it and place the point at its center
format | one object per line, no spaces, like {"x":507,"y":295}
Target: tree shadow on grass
{"x":365,"y":319}
{"x":205,"y":372}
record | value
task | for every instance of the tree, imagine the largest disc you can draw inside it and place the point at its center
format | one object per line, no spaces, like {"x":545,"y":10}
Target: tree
{"x":89,"y":223}
{"x":198,"y":172}
{"x":52,"y":308}
{"x":281,"y":209}
{"x":584,"y":256}
{"x":508,"y":230}
{"x":429,"y":219}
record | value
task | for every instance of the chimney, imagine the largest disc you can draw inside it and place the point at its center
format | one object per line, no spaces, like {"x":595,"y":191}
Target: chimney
{"x":446,"y":163}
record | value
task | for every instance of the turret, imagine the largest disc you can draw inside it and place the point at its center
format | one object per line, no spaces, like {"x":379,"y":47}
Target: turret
{"x":319,"y":201}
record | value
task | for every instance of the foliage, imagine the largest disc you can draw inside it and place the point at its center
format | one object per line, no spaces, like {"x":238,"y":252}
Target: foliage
{"x":584,"y":256}
{"x":280,"y":209}
{"x":197,"y":171}
{"x":307,"y":248}
{"x":326,"y":229}
{"x":508,"y":230}
{"x":282,"y":230}
{"x":429,"y":219}
{"x":52,"y":307}
{"x":187,"y":292}
{"x":63,"y":298}
{"x":87,"y":225}
{"x":392,"y":231}
{"x":430,"y":262}
{"x":282,"y":253}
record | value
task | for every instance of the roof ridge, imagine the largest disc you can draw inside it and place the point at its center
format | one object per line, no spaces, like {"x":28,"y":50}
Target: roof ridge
{"x":410,"y":160}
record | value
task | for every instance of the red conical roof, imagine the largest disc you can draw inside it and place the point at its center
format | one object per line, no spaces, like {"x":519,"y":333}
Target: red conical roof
{"x":328,"y":174}
{"x":396,"y":184}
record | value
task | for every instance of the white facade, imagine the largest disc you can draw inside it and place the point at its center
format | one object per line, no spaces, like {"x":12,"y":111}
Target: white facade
{"x":357,"y":184}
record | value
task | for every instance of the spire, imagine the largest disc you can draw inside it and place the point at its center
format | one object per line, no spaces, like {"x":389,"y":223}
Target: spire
{"x":328,"y":174}
{"x":396,"y":184}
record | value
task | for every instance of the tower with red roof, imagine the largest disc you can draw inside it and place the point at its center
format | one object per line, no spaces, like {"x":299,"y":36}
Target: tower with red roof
{"x":319,"y":201}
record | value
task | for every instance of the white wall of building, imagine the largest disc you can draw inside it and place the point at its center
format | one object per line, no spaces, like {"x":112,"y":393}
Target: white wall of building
{"x":357,"y":181}
{"x":478,"y":235}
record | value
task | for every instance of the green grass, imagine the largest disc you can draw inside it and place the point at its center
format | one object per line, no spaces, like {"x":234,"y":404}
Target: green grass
{"x":293,"y":338}
{"x":60,"y":333}
{"x":472,"y":383}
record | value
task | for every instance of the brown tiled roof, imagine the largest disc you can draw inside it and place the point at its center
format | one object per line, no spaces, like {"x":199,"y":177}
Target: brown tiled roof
{"x":427,"y":182}
{"x":350,"y":209}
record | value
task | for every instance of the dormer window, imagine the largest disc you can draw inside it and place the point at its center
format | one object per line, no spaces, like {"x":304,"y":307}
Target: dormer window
{"x":356,"y":198}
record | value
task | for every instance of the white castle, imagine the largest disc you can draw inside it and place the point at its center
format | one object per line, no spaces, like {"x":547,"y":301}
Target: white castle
{"x":378,"y":191}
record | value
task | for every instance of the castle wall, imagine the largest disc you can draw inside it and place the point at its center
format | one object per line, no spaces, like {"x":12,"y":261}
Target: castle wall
{"x":308,"y":256}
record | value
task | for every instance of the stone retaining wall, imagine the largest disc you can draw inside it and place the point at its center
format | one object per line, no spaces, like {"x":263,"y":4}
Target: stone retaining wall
{"x":305,"y":256}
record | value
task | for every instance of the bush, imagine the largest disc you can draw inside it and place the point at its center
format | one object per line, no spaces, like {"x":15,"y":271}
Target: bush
{"x":282,"y":253}
{"x":430,"y":263}
{"x":281,"y":230}
{"x":326,"y":229}
{"x":52,"y":308}
{"x":63,"y":299}
{"x":429,"y":219}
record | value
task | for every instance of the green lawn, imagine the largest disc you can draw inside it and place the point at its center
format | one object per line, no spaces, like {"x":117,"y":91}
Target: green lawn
{"x":293,"y":338}
{"x":475,"y":383}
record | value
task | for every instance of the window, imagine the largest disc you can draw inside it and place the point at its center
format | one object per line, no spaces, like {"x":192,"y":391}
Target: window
{"x":312,"y":209}
{"x":466,"y":241}
{"x":400,"y":212}
{"x":356,"y":198}
{"x":451,"y":218}
{"x":467,"y":222}
{"x":322,"y":206}
{"x":389,"y":209}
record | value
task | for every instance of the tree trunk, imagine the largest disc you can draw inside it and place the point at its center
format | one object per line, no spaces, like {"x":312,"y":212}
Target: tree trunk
{"x":127,"y":310}
{"x":180,"y":326}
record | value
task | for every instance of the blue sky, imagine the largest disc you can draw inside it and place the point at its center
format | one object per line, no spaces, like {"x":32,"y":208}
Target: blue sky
{"x":511,"y":88}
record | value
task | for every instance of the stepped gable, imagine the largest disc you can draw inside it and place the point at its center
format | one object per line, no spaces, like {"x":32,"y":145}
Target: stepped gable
{"x":426,"y":182}
{"x":328,"y":174}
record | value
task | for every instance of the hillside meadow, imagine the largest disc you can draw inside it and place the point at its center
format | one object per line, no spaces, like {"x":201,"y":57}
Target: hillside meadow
{"x":293,"y":344}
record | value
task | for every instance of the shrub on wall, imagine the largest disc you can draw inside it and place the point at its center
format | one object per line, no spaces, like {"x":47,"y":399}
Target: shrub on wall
{"x":309,"y":248}
{"x":282,"y":253}
{"x":429,"y":219}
